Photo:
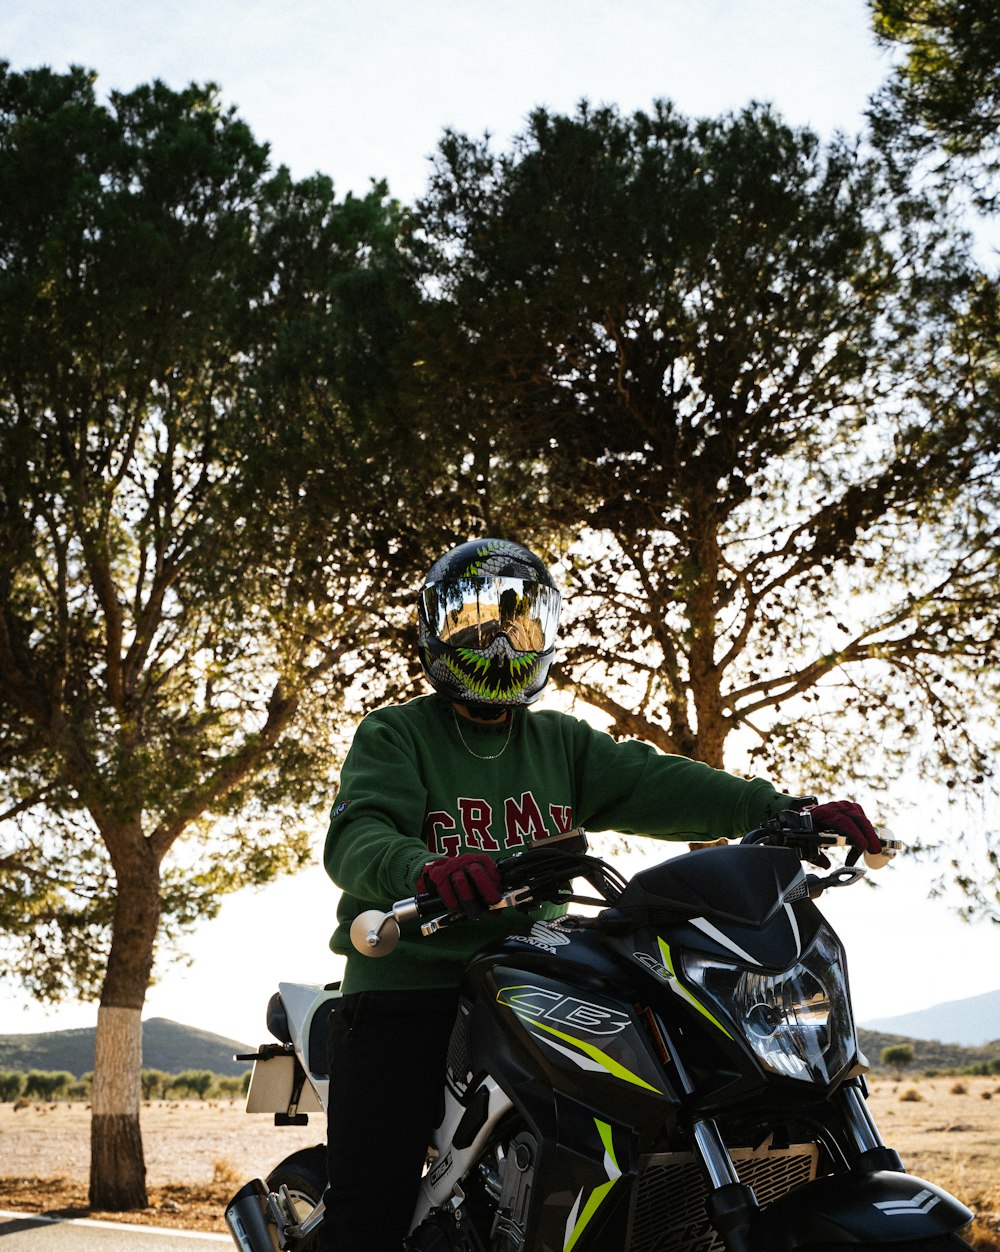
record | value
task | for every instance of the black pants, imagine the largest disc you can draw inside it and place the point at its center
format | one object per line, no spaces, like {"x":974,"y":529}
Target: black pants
{"x":388,"y":1051}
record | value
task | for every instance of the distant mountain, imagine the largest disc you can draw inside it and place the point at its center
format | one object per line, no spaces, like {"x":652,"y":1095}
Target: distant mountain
{"x":972,"y":1022}
{"x":927,"y":1055}
{"x":166,"y":1045}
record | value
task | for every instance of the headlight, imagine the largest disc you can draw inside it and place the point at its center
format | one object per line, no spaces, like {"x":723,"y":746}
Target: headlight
{"x":797,"y":1022}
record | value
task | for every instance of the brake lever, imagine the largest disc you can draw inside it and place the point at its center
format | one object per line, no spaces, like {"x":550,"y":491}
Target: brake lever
{"x":434,"y":924}
{"x":845,"y":876}
{"x":509,"y":900}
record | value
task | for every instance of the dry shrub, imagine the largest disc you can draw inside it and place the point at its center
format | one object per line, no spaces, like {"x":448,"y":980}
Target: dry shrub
{"x":910,"y":1095}
{"x":981,"y":1238}
{"x":959,"y":1088}
{"x":224,"y":1171}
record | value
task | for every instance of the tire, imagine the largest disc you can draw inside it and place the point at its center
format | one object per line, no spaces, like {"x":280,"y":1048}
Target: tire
{"x":304,"y":1174}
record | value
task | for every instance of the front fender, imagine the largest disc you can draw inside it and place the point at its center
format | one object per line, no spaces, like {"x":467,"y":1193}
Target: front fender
{"x":861,"y":1207}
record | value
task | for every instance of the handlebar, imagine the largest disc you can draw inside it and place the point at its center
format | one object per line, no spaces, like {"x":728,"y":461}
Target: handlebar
{"x":375,"y":933}
{"x":544,"y":870}
{"x":795,"y":830}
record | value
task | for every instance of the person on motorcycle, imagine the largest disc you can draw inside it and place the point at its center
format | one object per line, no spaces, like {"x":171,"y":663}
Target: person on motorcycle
{"x":432,"y":793}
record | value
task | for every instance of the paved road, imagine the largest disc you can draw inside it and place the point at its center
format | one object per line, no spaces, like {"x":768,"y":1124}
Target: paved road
{"x":20,"y":1232}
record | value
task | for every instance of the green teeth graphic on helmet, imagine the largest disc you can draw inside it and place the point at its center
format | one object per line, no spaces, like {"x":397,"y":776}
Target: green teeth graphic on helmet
{"x":487,"y":679}
{"x":523,"y":661}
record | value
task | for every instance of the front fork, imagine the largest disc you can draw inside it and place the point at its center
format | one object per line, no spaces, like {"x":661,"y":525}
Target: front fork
{"x":731,"y":1204}
{"x":871,"y":1152}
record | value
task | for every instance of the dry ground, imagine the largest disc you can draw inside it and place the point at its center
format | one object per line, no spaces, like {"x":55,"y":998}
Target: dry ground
{"x":198,"y":1154}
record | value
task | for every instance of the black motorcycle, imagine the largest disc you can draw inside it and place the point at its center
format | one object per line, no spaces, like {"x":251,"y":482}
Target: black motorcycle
{"x":678,"y":1072}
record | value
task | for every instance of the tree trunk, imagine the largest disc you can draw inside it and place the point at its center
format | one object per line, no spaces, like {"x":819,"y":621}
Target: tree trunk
{"x":703,"y":615}
{"x":117,"y":1167}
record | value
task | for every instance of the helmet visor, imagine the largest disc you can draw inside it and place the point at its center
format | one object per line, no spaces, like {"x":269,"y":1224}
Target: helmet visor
{"x":472,"y":612}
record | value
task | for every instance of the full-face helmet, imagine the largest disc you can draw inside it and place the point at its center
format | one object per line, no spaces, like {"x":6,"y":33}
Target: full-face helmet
{"x":488,"y":613}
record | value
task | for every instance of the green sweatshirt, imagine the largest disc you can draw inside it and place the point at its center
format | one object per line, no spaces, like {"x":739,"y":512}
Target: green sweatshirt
{"x":414,"y":787}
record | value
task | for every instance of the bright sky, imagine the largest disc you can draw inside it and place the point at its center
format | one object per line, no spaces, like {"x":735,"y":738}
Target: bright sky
{"x":362,"y":89}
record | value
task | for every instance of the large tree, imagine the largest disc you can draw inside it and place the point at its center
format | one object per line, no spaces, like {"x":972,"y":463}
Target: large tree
{"x":205,"y":477}
{"x":936,"y":121}
{"x":735,"y":358}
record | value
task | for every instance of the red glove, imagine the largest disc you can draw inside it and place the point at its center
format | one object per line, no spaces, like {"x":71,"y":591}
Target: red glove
{"x":470,"y":882}
{"x":847,"y":819}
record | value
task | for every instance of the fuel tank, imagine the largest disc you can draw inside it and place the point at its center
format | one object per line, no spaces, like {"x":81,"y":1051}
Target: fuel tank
{"x":555,"y":1010}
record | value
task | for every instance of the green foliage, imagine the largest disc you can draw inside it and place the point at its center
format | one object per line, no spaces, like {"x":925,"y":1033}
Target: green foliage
{"x":937,"y":122}
{"x":155,"y":1083}
{"x":193,"y":1082}
{"x":728,"y":357}
{"x":11,"y":1086}
{"x":47,"y":1084}
{"x":897,"y":1057}
{"x":945,"y":92}
{"x":203,"y":463}
{"x":231,"y":1086}
{"x":985,"y":1068}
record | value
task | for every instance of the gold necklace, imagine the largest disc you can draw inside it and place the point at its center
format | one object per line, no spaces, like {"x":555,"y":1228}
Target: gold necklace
{"x":493,"y":756}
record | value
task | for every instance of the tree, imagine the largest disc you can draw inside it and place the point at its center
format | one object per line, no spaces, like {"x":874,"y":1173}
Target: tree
{"x":11,"y":1085}
{"x":193,"y":1082}
{"x":205,"y":480}
{"x":231,"y":1086}
{"x":897,"y":1056}
{"x":732,"y":359}
{"x":937,"y":122}
{"x":154,"y":1083}
{"x":47,"y":1084}
{"x":944,"y":95}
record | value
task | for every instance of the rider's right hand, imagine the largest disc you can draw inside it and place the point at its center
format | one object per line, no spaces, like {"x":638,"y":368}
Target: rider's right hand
{"x":470,"y":882}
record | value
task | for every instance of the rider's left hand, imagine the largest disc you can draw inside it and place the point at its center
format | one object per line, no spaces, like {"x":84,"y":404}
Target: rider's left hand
{"x":847,"y":819}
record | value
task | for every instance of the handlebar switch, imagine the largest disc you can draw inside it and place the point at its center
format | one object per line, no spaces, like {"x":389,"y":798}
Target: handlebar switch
{"x":795,"y":820}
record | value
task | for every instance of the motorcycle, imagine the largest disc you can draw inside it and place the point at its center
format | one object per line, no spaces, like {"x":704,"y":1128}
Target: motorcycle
{"x":675,"y":1072}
